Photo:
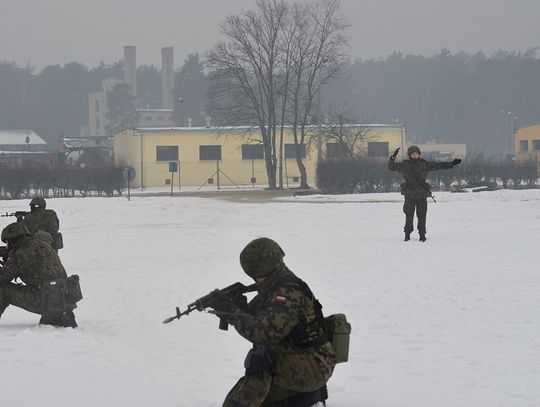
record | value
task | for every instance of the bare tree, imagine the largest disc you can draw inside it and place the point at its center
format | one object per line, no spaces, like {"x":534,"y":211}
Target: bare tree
{"x":348,"y":135}
{"x":316,"y":56}
{"x":244,"y":78}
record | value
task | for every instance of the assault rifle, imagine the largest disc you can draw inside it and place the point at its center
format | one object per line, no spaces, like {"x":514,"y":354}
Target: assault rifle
{"x":18,"y":214}
{"x":231,"y":295}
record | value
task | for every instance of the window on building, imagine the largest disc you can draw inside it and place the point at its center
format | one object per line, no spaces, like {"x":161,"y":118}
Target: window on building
{"x":160,"y":118}
{"x":536,"y":144}
{"x":252,"y":152}
{"x":207,"y":153}
{"x":166,"y":153}
{"x":377,"y":149}
{"x":336,"y":150}
{"x":524,"y":145}
{"x":147,"y":118}
{"x":290,"y":151}
{"x":97,"y":105}
{"x":97,"y":123}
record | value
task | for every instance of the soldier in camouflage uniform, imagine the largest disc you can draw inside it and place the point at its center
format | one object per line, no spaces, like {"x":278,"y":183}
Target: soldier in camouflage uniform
{"x":34,"y":262}
{"x":42,"y":223}
{"x":415,"y":188}
{"x":291,"y":354}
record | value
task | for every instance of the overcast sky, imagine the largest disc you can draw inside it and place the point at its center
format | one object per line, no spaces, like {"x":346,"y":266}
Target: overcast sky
{"x":44,"y":32}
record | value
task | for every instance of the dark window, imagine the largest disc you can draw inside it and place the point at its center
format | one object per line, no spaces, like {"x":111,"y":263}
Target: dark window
{"x":290,"y":151}
{"x":209,"y":153}
{"x":160,"y":118}
{"x":536,"y":144}
{"x":252,"y":152}
{"x":166,"y":153}
{"x":524,"y":145}
{"x":148,"y":118}
{"x":377,"y":149}
{"x":336,"y":150}
{"x":97,"y":105}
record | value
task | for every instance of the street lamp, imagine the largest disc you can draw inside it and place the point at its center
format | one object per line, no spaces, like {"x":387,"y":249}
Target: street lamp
{"x":506,"y":128}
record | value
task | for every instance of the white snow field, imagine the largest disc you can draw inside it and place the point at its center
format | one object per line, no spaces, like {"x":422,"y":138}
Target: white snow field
{"x":452,"y":322}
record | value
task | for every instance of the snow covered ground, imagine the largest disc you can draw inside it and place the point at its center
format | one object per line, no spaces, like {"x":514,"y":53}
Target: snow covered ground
{"x":451,"y":322}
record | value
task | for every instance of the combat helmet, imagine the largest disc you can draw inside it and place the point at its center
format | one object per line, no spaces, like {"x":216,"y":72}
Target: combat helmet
{"x":39,"y":202}
{"x":413,"y":149}
{"x":14,"y":230}
{"x":260,"y":257}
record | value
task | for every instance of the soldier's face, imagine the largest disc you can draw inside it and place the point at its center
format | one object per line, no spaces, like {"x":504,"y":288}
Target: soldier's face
{"x":415,"y":155}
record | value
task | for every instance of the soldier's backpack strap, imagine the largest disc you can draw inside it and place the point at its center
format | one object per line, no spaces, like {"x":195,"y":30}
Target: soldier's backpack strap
{"x":301,"y":286}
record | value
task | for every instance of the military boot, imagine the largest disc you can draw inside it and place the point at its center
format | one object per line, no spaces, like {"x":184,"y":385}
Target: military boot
{"x":66,"y":320}
{"x":422,"y":237}
{"x":407,"y":237}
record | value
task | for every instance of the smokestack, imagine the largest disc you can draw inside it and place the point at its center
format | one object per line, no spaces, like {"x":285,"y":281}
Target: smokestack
{"x":130,"y":68}
{"x":167,"y":77}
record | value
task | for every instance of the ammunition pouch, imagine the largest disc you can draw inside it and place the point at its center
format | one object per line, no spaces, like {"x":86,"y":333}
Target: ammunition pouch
{"x":257,"y":360}
{"x":58,"y":241}
{"x":73,"y":289}
{"x":53,"y":298}
{"x":60,"y":295}
{"x":403,"y":188}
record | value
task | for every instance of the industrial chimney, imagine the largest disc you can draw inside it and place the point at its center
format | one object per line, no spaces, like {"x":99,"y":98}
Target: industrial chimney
{"x":167,"y":77}
{"x":130,"y":68}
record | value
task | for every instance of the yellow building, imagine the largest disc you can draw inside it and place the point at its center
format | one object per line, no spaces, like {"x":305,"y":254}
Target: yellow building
{"x":527,"y":143}
{"x":227,"y":157}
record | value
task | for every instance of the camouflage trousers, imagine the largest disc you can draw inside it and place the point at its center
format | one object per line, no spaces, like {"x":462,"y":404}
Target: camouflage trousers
{"x":294,"y":371}
{"x":22,"y":296}
{"x":421,"y":211}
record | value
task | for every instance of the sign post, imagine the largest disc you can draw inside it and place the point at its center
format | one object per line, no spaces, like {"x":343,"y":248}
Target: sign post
{"x":128,"y":174}
{"x":173,"y":167}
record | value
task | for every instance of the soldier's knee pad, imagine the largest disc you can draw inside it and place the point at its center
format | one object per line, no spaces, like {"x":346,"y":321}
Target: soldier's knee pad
{"x":257,"y":360}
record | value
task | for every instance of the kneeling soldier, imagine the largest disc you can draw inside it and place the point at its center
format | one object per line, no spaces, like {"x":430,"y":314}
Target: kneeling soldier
{"x":38,"y":266}
{"x":291,"y":355}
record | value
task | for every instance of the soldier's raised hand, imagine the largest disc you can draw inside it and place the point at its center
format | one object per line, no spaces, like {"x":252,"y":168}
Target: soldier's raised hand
{"x":456,"y":161}
{"x":395,"y":153}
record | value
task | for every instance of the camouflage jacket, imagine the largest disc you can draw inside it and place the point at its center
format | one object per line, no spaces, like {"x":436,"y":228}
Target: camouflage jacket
{"x":42,"y":219}
{"x":33,"y":261}
{"x":280,"y":312}
{"x":415,"y":172}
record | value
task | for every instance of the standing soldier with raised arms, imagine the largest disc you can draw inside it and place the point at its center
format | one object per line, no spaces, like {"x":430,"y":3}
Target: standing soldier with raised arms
{"x":415,"y":188}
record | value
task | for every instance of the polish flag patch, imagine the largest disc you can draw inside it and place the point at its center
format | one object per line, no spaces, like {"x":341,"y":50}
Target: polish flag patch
{"x":280,"y":299}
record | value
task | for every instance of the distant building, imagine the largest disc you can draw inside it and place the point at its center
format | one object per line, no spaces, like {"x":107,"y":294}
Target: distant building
{"x":155,"y":118}
{"x":97,"y":102}
{"x":442,"y":152}
{"x":527,"y":143}
{"x":25,"y":149}
{"x":97,"y":108}
{"x":87,"y":152}
{"x":21,"y":140}
{"x":237,"y":157}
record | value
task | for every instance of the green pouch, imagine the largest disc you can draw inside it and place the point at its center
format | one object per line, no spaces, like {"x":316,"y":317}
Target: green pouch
{"x":338,"y":330}
{"x":58,"y":241}
{"x":403,"y":188}
{"x":53,"y":299}
{"x":73,"y":289}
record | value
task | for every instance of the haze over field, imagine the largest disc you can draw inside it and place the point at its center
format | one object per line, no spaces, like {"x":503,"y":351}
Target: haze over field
{"x":61,"y":31}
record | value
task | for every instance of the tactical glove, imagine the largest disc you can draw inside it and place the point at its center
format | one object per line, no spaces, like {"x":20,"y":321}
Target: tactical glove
{"x":394,"y":154}
{"x":456,"y":162}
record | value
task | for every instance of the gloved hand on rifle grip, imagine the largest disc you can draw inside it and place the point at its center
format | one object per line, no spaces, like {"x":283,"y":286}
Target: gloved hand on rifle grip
{"x":394,"y":154}
{"x":456,"y":161}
